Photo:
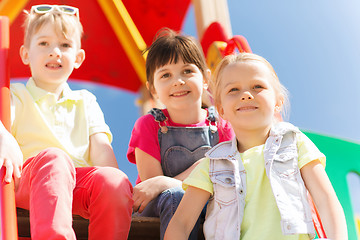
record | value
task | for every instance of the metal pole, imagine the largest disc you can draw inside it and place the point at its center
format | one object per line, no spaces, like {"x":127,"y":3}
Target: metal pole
{"x":8,"y":223}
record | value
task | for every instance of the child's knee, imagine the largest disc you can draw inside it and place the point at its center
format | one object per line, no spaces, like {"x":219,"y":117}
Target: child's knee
{"x":176,"y":193}
{"x":114,"y":183}
{"x":170,"y":198}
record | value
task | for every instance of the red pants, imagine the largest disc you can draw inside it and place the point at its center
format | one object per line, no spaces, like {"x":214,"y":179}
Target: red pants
{"x":53,"y":189}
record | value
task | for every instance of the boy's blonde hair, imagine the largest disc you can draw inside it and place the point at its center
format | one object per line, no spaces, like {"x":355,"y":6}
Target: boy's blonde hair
{"x":64,"y":24}
{"x":280,"y":90}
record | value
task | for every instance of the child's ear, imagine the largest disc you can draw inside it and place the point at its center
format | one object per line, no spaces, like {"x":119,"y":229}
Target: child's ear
{"x":278,"y":107}
{"x":24,"y":54}
{"x":279,"y":104}
{"x":151,"y":90}
{"x":221,"y":112}
{"x":80,"y":57}
{"x":207,"y":78}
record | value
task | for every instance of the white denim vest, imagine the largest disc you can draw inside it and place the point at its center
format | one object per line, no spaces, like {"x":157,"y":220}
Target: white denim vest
{"x":225,"y":209}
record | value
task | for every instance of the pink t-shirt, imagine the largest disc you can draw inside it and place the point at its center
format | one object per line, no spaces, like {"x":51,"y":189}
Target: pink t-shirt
{"x":145,"y":135}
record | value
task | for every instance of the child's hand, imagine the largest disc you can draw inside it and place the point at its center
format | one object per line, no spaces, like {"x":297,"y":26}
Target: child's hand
{"x":142,"y":194}
{"x":11,"y":157}
{"x":149,"y":189}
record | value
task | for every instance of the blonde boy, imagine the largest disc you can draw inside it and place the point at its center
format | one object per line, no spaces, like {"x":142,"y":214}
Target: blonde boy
{"x":69,"y":165}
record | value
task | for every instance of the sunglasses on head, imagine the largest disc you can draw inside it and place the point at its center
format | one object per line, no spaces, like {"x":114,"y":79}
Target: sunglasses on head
{"x":44,"y":8}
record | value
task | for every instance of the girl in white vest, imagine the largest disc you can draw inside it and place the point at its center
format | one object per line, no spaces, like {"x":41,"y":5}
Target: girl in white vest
{"x":256,"y":185}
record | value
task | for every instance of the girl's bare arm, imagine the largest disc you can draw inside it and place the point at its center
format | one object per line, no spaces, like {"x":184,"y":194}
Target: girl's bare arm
{"x":187,"y":214}
{"x":326,"y":201}
{"x":182,"y":176}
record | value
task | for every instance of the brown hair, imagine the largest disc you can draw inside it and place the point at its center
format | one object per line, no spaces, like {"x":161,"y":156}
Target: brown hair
{"x":64,"y":23}
{"x":169,"y":47}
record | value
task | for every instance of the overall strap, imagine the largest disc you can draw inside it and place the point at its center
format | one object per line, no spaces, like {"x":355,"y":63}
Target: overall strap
{"x":212,"y":118}
{"x":160,"y":117}
{"x":158,"y":114}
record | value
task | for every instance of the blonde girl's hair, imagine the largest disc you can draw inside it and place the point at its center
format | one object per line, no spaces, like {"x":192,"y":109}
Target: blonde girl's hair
{"x":169,"y":47}
{"x":280,"y":90}
{"x":64,"y":24}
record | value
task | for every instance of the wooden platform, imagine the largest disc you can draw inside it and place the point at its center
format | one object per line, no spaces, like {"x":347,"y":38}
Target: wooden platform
{"x":142,"y":228}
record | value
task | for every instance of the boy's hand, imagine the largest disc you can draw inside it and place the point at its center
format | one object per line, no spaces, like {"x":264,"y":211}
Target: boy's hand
{"x":11,"y":157}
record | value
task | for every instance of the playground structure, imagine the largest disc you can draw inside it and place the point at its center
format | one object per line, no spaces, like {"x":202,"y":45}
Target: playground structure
{"x":8,"y":227}
{"x":126,"y":32}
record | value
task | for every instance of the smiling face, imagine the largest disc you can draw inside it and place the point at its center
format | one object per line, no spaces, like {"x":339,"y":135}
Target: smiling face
{"x":178,"y":85}
{"x":248,"y":99}
{"x":52,"y":56}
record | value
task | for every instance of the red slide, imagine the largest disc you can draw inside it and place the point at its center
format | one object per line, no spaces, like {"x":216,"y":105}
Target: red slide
{"x":8,"y":223}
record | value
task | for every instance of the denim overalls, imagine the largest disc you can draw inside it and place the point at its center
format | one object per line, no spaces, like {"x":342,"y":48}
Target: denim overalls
{"x":180,"y":147}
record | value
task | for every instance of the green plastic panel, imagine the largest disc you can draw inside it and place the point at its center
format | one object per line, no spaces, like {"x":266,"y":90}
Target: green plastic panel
{"x":342,"y":157}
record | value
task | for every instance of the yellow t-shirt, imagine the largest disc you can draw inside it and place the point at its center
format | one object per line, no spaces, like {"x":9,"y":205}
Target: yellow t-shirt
{"x":261,"y":215}
{"x":39,"y":121}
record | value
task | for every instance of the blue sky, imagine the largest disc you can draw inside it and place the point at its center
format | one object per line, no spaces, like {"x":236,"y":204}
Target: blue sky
{"x":314,"y":47}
